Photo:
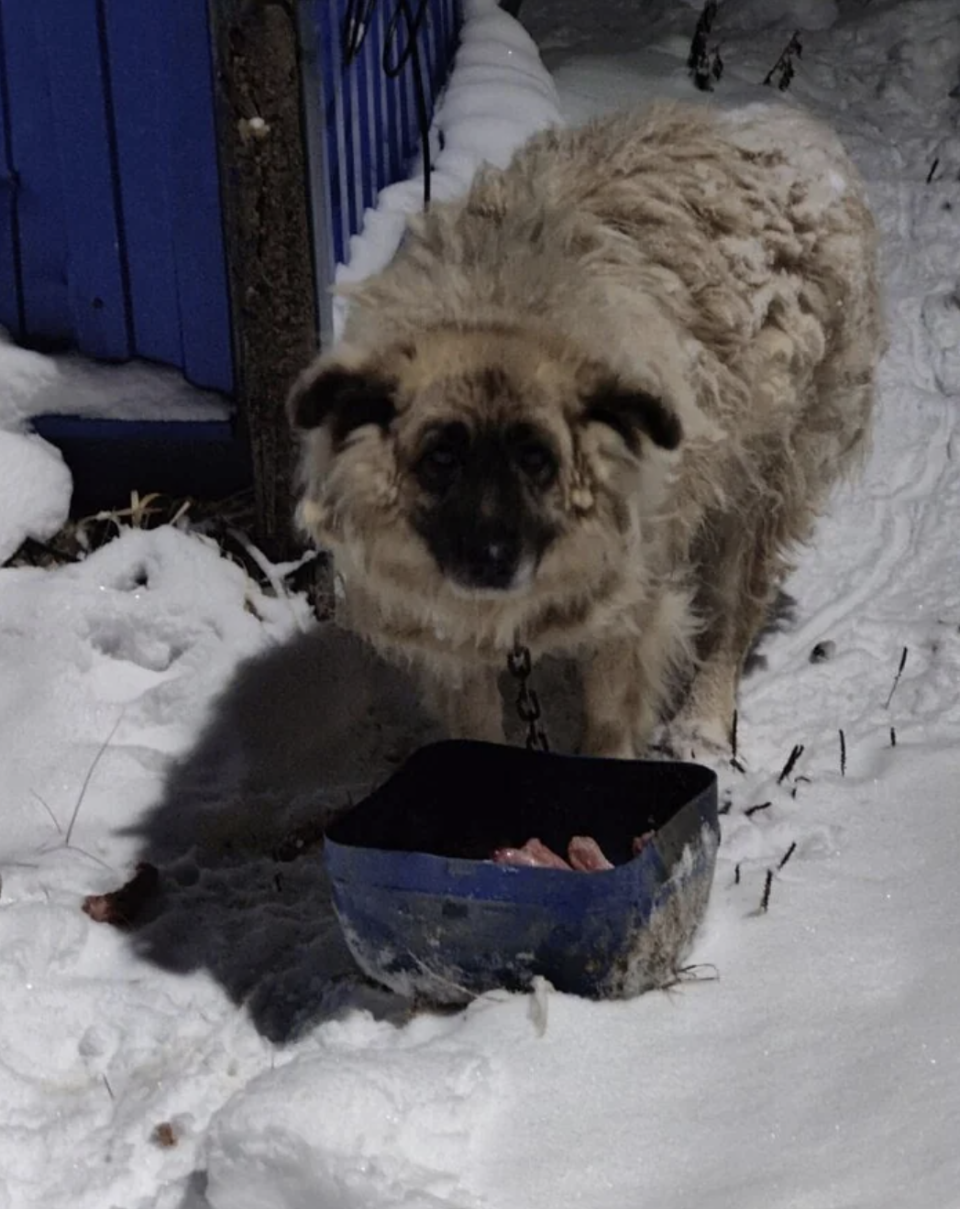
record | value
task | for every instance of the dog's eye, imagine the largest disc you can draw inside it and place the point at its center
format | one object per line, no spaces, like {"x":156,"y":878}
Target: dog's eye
{"x":439,"y":465}
{"x":442,"y":457}
{"x":536,"y":461}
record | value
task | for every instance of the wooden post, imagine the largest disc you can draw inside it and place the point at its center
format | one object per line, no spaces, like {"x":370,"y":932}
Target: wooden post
{"x":264,"y":189}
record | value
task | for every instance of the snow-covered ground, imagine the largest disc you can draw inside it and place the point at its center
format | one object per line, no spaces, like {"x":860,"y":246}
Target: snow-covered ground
{"x":152,"y":698}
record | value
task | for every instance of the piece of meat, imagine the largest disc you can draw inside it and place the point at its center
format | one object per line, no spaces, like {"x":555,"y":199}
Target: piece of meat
{"x":534,"y":855}
{"x":586,"y":856}
{"x":640,"y":842}
{"x":121,"y":907}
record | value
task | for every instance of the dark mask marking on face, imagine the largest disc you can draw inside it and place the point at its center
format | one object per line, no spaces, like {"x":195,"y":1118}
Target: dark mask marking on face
{"x":480,"y":515}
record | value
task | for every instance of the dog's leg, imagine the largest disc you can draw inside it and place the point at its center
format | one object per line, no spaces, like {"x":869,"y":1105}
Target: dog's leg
{"x":611,"y":701}
{"x":627,"y":680}
{"x":630,"y":678}
{"x":738,"y":587}
{"x":704,"y":724}
{"x":467,"y":704}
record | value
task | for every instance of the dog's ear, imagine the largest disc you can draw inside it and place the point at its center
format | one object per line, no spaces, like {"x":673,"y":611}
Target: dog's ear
{"x":631,"y":412}
{"x":343,"y":399}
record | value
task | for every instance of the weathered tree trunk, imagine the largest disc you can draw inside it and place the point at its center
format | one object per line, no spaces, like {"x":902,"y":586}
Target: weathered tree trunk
{"x":264,"y":186}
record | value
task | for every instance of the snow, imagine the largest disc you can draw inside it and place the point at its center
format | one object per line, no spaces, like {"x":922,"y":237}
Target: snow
{"x":153,"y":697}
{"x":69,"y":385}
{"x":35,"y":485}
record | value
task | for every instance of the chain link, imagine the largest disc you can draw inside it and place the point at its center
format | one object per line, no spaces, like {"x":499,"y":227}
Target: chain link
{"x":520,"y":666}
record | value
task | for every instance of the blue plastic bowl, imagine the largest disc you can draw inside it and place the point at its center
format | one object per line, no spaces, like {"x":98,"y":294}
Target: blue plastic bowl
{"x":425,"y":912}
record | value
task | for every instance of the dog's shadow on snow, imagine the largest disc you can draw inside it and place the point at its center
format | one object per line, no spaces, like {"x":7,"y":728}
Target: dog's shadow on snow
{"x":300,"y":734}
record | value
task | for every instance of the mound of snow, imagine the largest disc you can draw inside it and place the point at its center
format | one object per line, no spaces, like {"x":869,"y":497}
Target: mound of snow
{"x":35,"y":487}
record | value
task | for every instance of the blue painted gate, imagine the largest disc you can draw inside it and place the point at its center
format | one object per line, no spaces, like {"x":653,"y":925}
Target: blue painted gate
{"x":110,"y":228}
{"x":111,"y":237}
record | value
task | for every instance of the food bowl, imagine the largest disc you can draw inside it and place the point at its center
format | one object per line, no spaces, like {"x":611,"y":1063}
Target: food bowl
{"x":426,"y":912}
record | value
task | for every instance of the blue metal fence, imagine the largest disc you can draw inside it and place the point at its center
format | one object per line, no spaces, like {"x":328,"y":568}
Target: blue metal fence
{"x":362,"y":113}
{"x":110,"y":226}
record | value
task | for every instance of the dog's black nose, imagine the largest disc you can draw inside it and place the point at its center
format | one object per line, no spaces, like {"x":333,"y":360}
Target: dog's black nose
{"x":491,"y":559}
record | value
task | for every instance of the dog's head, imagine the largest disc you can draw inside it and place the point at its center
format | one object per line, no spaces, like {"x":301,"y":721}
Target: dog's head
{"x":470,"y":460}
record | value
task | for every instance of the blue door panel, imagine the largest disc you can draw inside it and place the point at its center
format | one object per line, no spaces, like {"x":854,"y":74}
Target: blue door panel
{"x":75,"y":52}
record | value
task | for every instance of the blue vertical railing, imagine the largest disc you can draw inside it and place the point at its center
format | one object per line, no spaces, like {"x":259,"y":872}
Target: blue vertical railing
{"x":365,"y":121}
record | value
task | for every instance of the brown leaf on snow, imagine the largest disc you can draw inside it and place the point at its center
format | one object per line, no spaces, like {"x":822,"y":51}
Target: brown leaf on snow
{"x":164,"y":1135}
{"x":121,"y":907}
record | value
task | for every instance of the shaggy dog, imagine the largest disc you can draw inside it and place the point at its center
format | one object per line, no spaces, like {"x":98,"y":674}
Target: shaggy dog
{"x":592,"y":406}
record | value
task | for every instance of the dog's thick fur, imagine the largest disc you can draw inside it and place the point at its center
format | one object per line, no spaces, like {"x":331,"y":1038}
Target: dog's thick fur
{"x":682,"y":306}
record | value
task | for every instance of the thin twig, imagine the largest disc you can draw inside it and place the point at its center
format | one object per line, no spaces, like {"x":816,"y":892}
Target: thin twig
{"x":698,"y":46}
{"x":791,"y":763}
{"x":53,"y":817}
{"x":256,"y":555}
{"x":843,"y":754}
{"x":896,"y":679}
{"x":45,"y":848}
{"x":785,"y":63}
{"x":768,"y":883}
{"x":734,"y":739}
{"x":693,"y":974}
{"x":752,"y":810}
{"x":86,"y":780}
{"x":893,"y":736}
{"x":266,"y":568}
{"x":933,"y":168}
{"x":787,"y":855}
{"x":736,"y":874}
{"x":705,"y":66}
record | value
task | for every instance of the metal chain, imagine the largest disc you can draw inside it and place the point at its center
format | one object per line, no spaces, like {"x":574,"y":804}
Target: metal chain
{"x":520,"y":666}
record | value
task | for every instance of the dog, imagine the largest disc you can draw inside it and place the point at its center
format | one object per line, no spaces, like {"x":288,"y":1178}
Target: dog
{"x":590,"y":409}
